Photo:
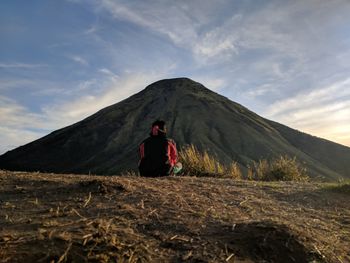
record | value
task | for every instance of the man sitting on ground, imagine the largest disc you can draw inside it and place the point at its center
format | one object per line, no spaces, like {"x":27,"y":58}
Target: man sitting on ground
{"x":158,"y":154}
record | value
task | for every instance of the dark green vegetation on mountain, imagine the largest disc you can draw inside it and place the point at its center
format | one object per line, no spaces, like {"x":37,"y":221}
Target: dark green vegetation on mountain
{"x":107,"y":141}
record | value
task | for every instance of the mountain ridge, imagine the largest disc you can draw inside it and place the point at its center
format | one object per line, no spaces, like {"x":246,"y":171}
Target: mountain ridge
{"x":106,"y":142}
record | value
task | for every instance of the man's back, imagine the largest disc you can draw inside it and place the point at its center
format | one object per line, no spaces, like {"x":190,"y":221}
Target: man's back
{"x":157,"y":153}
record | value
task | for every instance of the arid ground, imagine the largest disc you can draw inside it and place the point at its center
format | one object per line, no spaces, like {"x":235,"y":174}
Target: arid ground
{"x":82,"y":218}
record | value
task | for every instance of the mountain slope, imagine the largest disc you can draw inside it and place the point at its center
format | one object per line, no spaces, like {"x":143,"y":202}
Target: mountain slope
{"x":106,"y":142}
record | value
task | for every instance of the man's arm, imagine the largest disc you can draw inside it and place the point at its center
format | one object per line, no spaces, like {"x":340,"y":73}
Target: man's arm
{"x":142,"y":151}
{"x":172,"y":152}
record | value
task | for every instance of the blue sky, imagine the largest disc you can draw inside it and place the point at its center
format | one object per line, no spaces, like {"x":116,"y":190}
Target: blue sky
{"x":61,"y":61}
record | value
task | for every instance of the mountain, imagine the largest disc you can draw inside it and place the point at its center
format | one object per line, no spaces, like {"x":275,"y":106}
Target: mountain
{"x":107,"y":141}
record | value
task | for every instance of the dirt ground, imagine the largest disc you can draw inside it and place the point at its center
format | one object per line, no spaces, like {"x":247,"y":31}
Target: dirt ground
{"x":82,"y":218}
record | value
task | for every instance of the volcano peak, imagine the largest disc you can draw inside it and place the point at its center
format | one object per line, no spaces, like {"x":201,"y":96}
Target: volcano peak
{"x":176,"y":85}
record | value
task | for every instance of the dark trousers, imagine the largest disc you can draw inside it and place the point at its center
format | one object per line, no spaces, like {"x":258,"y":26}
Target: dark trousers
{"x":160,"y":172}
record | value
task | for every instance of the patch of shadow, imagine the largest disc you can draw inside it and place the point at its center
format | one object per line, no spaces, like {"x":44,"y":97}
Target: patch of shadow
{"x":315,"y":198}
{"x":96,"y":186}
{"x":17,"y":187}
{"x":163,"y":229}
{"x":341,"y":188}
{"x":44,"y":251}
{"x":93,"y":186}
{"x":174,"y":237}
{"x":264,"y":242}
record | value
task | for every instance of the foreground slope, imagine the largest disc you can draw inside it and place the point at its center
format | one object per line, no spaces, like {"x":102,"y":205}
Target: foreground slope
{"x":106,"y":142}
{"x":73,"y":218}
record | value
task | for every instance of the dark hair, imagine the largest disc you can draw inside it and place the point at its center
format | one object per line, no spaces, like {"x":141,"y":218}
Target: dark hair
{"x":159,"y":123}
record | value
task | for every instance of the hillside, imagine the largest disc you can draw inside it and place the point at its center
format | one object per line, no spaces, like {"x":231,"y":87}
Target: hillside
{"x":77,"y":218}
{"x":106,"y":142}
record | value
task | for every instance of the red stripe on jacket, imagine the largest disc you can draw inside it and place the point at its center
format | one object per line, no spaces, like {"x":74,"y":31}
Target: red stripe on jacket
{"x":172,"y":153}
{"x":142,"y":151}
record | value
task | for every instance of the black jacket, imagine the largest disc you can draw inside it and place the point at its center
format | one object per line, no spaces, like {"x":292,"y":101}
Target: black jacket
{"x":157,"y":156}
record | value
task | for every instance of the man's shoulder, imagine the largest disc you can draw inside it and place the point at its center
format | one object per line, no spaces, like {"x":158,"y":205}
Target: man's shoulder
{"x":153,"y":139}
{"x":146,"y":140}
{"x":156,"y":138}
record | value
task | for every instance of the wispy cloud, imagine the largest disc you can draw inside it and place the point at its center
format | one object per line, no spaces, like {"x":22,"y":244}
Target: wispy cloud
{"x":114,"y":90}
{"x":185,"y":24}
{"x":335,"y":93}
{"x":91,"y":30}
{"x":159,"y":17}
{"x":14,"y":115}
{"x":260,"y":90}
{"x":325,"y":112}
{"x":14,"y":83}
{"x":11,"y":138}
{"x":21,"y":65}
{"x":17,"y":123}
{"x":109,"y":73}
{"x":78,"y":59}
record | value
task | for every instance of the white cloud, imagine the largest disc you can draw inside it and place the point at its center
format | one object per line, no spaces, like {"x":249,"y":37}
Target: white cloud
{"x":170,"y":19}
{"x":14,"y":83}
{"x":194,"y":25}
{"x":16,"y":116}
{"x":35,"y":86}
{"x":317,"y":97}
{"x":21,"y":65}
{"x":260,"y":90}
{"x":92,"y":29}
{"x":324,"y":112}
{"x":16,"y":122}
{"x":114,"y":90}
{"x":212,"y":48}
{"x":109,"y":73}
{"x":79,"y":59}
{"x":11,"y":138}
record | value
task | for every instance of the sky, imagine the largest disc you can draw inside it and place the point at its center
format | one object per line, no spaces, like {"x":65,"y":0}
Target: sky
{"x":61,"y":61}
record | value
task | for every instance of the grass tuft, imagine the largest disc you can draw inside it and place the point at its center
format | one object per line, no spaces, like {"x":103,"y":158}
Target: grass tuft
{"x":198,"y":163}
{"x":283,"y":168}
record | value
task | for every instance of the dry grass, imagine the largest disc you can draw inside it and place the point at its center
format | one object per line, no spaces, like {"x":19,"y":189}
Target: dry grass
{"x":234,"y":171}
{"x":75,"y":218}
{"x":283,"y":168}
{"x":197,"y":163}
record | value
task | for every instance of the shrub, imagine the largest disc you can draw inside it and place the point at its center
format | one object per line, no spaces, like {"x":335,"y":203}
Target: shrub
{"x":250,"y":173}
{"x":282,"y":168}
{"x":261,"y":168}
{"x":234,"y":171}
{"x":199,"y":164}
